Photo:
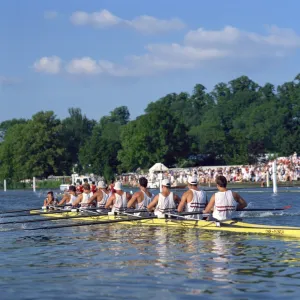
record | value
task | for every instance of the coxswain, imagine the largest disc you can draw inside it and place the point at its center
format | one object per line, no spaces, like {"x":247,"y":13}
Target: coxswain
{"x":164,"y":202}
{"x":193,"y":199}
{"x":118,"y":200}
{"x":141,"y":199}
{"x":84,"y":198}
{"x":50,"y":200}
{"x":100,"y":196}
{"x":69,"y":198}
{"x":225,"y":202}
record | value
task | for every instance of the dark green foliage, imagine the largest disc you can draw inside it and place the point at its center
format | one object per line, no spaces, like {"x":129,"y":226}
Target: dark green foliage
{"x":236,"y":123}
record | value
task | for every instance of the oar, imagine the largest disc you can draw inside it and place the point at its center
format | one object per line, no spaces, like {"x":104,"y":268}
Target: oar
{"x":94,"y":214}
{"x":245,"y":209}
{"x":265,"y":209}
{"x":22,"y":210}
{"x":35,"y":214}
{"x":54,"y":219}
{"x":93,"y":223}
{"x":58,"y":211}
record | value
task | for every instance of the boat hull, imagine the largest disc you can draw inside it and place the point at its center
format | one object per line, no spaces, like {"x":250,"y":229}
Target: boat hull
{"x":234,"y":226}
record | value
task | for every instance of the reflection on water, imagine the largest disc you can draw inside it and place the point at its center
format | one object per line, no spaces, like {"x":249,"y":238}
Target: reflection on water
{"x":122,"y":262}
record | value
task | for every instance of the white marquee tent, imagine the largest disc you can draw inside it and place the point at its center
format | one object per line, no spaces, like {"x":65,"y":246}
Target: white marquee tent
{"x":158,"y":167}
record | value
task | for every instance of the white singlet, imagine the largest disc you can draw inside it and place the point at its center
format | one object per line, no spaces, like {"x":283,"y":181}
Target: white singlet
{"x":101,"y":204}
{"x":198,"y":202}
{"x":120,"y":202}
{"x":143,"y":205}
{"x":165,"y":204}
{"x":72,"y":200}
{"x":85,"y":200}
{"x":225,"y":205}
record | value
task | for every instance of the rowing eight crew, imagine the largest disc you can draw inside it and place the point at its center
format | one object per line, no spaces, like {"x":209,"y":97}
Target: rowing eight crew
{"x":222,"y":204}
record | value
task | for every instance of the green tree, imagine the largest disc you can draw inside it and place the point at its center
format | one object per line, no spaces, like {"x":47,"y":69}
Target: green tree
{"x":76,"y":130}
{"x":5,"y":125}
{"x":157,"y":136}
{"x":33,"y":148}
{"x":101,"y":149}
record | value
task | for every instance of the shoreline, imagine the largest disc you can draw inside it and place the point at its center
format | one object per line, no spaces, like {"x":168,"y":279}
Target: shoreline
{"x":237,"y":185}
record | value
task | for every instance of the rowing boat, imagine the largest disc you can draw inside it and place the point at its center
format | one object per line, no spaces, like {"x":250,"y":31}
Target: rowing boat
{"x":228,"y":226}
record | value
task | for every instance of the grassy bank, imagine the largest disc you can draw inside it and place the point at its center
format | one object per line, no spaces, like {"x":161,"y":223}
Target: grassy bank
{"x":40,"y":184}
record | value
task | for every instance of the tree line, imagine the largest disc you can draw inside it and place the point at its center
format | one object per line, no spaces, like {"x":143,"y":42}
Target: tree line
{"x":236,"y":123}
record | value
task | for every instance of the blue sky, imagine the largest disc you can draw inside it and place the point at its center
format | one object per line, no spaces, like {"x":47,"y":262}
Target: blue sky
{"x":98,"y":55}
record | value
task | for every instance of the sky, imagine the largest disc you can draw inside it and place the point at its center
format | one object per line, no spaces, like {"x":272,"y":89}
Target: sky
{"x":101,"y":54}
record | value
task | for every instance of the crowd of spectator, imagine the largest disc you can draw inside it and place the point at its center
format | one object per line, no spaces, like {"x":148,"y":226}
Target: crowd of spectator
{"x":288,"y":169}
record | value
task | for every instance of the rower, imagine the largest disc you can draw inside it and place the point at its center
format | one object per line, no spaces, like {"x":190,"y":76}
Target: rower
{"x":70,"y":197}
{"x":93,"y":187}
{"x":50,"y":200}
{"x":166,"y":201}
{"x":118,"y":200}
{"x":225,"y":202}
{"x":101,"y":195}
{"x":79,"y":188}
{"x":141,"y":199}
{"x":111,"y":187}
{"x":84,"y":198}
{"x":193,"y":199}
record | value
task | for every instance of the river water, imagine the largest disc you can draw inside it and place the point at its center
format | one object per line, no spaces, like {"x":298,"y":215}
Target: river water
{"x":128,"y":262}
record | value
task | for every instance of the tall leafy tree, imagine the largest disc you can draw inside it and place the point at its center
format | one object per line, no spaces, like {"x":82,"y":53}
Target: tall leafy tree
{"x":33,"y":148}
{"x":101,"y":149}
{"x":76,"y":129}
{"x":154,"y":137}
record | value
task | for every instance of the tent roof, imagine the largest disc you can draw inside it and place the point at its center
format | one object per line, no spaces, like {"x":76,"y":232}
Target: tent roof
{"x":158,"y":167}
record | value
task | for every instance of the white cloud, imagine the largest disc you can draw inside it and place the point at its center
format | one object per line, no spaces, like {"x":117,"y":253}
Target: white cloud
{"x":148,"y":24}
{"x":233,"y":38}
{"x":145,"y":24}
{"x":98,"y":19}
{"x":200,"y":49}
{"x":51,"y":65}
{"x":50,"y":14}
{"x":85,"y":65}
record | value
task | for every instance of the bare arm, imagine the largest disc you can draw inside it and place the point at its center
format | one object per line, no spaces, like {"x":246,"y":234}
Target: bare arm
{"x":78,"y":200}
{"x":153,"y":203}
{"x":128,"y":196}
{"x":95,"y":195}
{"x":241,"y":202}
{"x":209,"y":208}
{"x":110,"y":201}
{"x":133,"y":200}
{"x":176,"y":199}
{"x":182,"y":202}
{"x":64,"y":199}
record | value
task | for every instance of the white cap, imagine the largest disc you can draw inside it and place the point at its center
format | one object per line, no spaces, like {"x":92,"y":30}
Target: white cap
{"x":118,"y":186}
{"x":101,"y":185}
{"x":166,"y":182}
{"x":192,"y":180}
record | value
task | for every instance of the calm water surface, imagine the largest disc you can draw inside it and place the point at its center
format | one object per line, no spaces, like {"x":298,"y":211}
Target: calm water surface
{"x":122,"y":262}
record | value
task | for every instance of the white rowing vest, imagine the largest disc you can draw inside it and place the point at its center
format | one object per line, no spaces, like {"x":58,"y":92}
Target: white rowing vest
{"x":198,"y":202}
{"x":225,"y":205}
{"x":72,"y":200}
{"x":101,"y":204}
{"x":165,"y":204}
{"x":120,"y":202}
{"x":85,"y":199}
{"x":143,"y":205}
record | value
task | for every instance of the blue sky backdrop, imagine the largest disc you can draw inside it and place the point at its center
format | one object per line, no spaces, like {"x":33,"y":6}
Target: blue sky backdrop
{"x":98,"y":55}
